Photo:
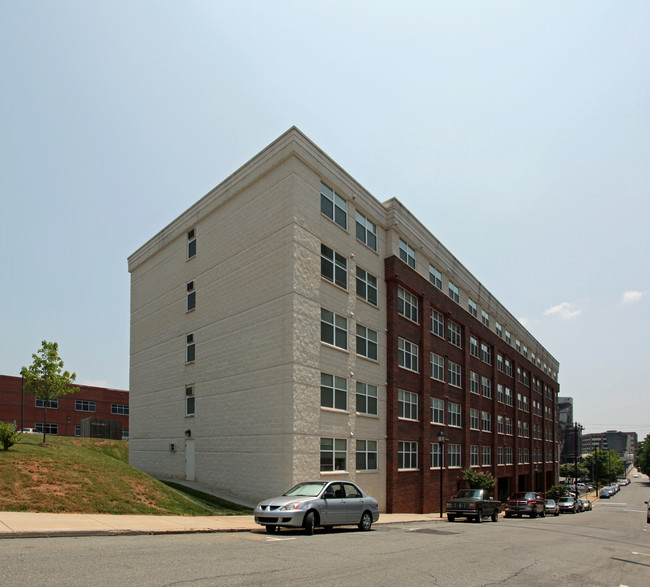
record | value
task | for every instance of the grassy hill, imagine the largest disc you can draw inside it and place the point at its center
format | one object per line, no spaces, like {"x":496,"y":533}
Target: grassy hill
{"x":88,"y":475}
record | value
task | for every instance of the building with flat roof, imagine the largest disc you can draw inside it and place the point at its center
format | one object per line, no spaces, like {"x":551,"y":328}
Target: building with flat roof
{"x":625,"y":443}
{"x":290,"y":326}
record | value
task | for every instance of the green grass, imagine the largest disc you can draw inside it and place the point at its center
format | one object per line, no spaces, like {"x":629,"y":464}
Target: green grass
{"x":89,"y":475}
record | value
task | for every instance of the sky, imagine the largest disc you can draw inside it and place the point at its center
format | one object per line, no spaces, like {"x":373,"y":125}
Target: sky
{"x":518,"y":132}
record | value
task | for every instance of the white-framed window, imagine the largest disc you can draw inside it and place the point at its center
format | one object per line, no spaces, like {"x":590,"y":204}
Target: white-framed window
{"x":508,"y":455}
{"x":498,"y":329}
{"x":367,"y":455}
{"x":407,"y":304}
{"x":120,"y":409}
{"x":366,"y":286}
{"x":406,"y":253}
{"x":526,"y":455}
{"x":473,"y":346}
{"x":473,"y":455}
{"x":333,"y":266}
{"x":508,"y":337}
{"x":454,"y":292}
{"x":486,"y":387}
{"x":485,"y":318}
{"x":500,"y":362}
{"x":191,"y":243}
{"x":333,"y":206}
{"x":437,"y":411}
{"x":437,"y":367}
{"x":454,"y":373}
{"x":407,"y":455}
{"x":486,"y":421}
{"x":508,"y":368}
{"x":509,"y":397}
{"x":367,"y":345}
{"x":486,"y":456}
{"x":453,"y":455}
{"x":520,"y":431}
{"x":333,"y":392}
{"x":525,"y":351}
{"x":333,"y":329}
{"x":407,"y":405}
{"x":437,"y":323}
{"x":453,"y":411}
{"x":366,"y":231}
{"x":518,"y":345}
{"x":190,"y":348}
{"x":190,"y":297}
{"x":407,"y":354}
{"x":51,"y":404}
{"x":500,"y":396}
{"x":474,"y":386}
{"x":508,"y":426}
{"x":454,"y":334}
{"x":436,"y":461}
{"x":82,"y":405}
{"x":367,"y":399}
{"x":525,"y":403}
{"x":190,"y":401}
{"x":473,"y":419}
{"x":486,"y":353}
{"x":333,"y":454}
{"x":471,"y":306}
{"x":519,"y":402}
{"x":435,"y":277}
{"x":500,"y":455}
{"x":500,"y":428}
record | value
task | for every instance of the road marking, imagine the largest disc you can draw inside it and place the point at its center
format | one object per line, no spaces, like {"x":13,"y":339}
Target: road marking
{"x":641,"y":553}
{"x":278,"y":539}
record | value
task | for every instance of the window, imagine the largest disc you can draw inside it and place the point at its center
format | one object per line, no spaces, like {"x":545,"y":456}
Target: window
{"x":453,"y":455}
{"x":453,"y":333}
{"x":486,"y":387}
{"x":520,"y":456}
{"x":486,"y":421}
{"x":500,"y":424}
{"x":473,"y":419}
{"x":454,"y":292}
{"x":473,"y":456}
{"x":473,"y":346}
{"x":453,"y":370}
{"x":508,"y":368}
{"x":509,"y":398}
{"x":437,"y":411}
{"x":77,"y":430}
{"x":333,"y":392}
{"x":367,"y":399}
{"x":517,"y":345}
{"x":190,"y":348}
{"x":407,"y":304}
{"x":508,"y":455}
{"x":191,"y":296}
{"x":82,"y":405}
{"x":52,"y":404}
{"x":437,"y":367}
{"x":500,"y":396}
{"x":190,"y":401}
{"x":125,"y":433}
{"x":508,"y":426}
{"x":120,"y":409}
{"x":485,"y":318}
{"x":406,"y":253}
{"x":500,"y":455}
{"x":454,"y":414}
{"x":486,"y":353}
{"x":473,"y":382}
{"x":333,"y":454}
{"x":191,"y":243}
{"x":525,"y":351}
{"x":366,"y":231}
{"x":333,"y":266}
{"x":333,"y":206}
{"x":407,"y":354}
{"x":407,"y":455}
{"x":367,"y":455}
{"x":500,"y":362}
{"x":366,"y":286}
{"x":471,"y":306}
{"x":437,"y":323}
{"x":435,"y":277}
{"x":486,"y":456}
{"x":333,"y":329}
{"x":436,"y":461}
{"x":407,"y":405}
{"x":498,"y":329}
{"x":367,"y":342}
{"x":49,"y":428}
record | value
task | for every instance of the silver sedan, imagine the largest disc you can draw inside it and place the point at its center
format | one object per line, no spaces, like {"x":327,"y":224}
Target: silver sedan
{"x":318,"y":503}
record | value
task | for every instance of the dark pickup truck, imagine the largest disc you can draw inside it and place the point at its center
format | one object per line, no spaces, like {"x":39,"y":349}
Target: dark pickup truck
{"x":473,"y":504}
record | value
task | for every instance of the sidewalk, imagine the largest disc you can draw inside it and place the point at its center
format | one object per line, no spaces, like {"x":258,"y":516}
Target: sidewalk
{"x":40,"y":525}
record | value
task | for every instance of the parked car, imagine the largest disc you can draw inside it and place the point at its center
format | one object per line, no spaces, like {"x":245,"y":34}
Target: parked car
{"x":569,"y":504}
{"x":318,"y":503}
{"x":648,"y":512}
{"x":551,"y":508}
{"x":606,"y":492}
{"x":635,"y":475}
{"x":473,"y":504}
{"x":624,"y":482}
{"x":28,"y":431}
{"x":529,"y":503}
{"x":586,"y":505}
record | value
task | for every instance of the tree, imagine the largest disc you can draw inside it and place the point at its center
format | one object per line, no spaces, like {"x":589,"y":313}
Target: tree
{"x":642,"y":460}
{"x":478,"y":480}
{"x":556,"y":492}
{"x":46,"y":378}
{"x":8,"y":435}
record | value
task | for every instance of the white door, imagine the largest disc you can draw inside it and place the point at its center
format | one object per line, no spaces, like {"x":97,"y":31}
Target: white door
{"x":189,"y":459}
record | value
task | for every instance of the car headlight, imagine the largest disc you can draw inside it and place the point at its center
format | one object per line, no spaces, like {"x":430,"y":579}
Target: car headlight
{"x":294,"y":505}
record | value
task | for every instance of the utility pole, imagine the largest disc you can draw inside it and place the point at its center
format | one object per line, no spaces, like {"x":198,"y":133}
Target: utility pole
{"x":575,"y":453}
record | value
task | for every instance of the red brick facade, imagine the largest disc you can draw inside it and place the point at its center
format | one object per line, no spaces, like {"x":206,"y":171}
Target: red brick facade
{"x":20,"y":408}
{"x":418,"y":490}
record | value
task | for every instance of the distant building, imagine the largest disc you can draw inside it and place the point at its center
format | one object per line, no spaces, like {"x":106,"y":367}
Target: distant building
{"x":64,"y":414}
{"x":624,"y":443}
{"x":569,"y":441}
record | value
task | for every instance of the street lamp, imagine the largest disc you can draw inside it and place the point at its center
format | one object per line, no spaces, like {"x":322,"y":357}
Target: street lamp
{"x":441,"y":442}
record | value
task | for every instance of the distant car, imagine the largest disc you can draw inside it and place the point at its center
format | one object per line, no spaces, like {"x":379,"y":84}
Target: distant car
{"x":551,"y":508}
{"x":586,"y":505}
{"x":318,"y":503}
{"x":529,"y":503}
{"x":569,"y":504}
{"x":28,"y":431}
{"x":635,"y":475}
{"x":624,"y":482}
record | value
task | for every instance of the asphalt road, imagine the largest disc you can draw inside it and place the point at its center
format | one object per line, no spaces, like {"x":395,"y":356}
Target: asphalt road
{"x":607,"y":546}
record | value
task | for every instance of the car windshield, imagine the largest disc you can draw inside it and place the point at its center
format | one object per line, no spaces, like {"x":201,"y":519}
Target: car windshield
{"x":523,"y":496}
{"x":469,"y":493}
{"x":564,"y":499}
{"x":307,"y":489}
{"x":550,"y":502}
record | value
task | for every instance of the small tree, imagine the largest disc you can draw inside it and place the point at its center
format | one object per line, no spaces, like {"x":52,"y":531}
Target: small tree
{"x":478,"y":480}
{"x":8,"y":435}
{"x":556,"y":492}
{"x":46,"y":378}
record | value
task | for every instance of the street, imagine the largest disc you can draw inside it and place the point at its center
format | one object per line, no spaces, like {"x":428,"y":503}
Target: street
{"x":607,"y":546}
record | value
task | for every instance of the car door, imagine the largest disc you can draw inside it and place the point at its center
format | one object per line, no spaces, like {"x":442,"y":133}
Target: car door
{"x":354,"y":503}
{"x":334,"y":505}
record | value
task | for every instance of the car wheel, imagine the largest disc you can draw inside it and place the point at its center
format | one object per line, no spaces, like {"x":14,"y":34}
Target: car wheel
{"x":495,"y":515}
{"x":479,"y":517}
{"x":533,"y":514}
{"x":557,"y":513}
{"x":366,"y":521}
{"x":451,"y":518}
{"x":542,"y":514}
{"x":309,"y":524}
{"x":271,"y":529}
{"x":508,"y":515}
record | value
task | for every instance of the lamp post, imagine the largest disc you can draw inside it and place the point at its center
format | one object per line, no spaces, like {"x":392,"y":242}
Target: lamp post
{"x":441,"y":442}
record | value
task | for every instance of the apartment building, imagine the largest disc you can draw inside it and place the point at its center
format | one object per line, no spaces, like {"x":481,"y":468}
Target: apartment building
{"x":290,"y":326}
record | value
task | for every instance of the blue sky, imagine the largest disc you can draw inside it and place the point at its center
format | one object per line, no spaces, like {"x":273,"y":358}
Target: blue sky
{"x":518,"y":132}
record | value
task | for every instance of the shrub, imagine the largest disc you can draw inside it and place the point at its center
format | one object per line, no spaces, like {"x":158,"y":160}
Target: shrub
{"x":8,"y":435}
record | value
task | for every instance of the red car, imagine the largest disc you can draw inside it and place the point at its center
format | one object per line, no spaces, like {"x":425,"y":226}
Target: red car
{"x":529,"y":503}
